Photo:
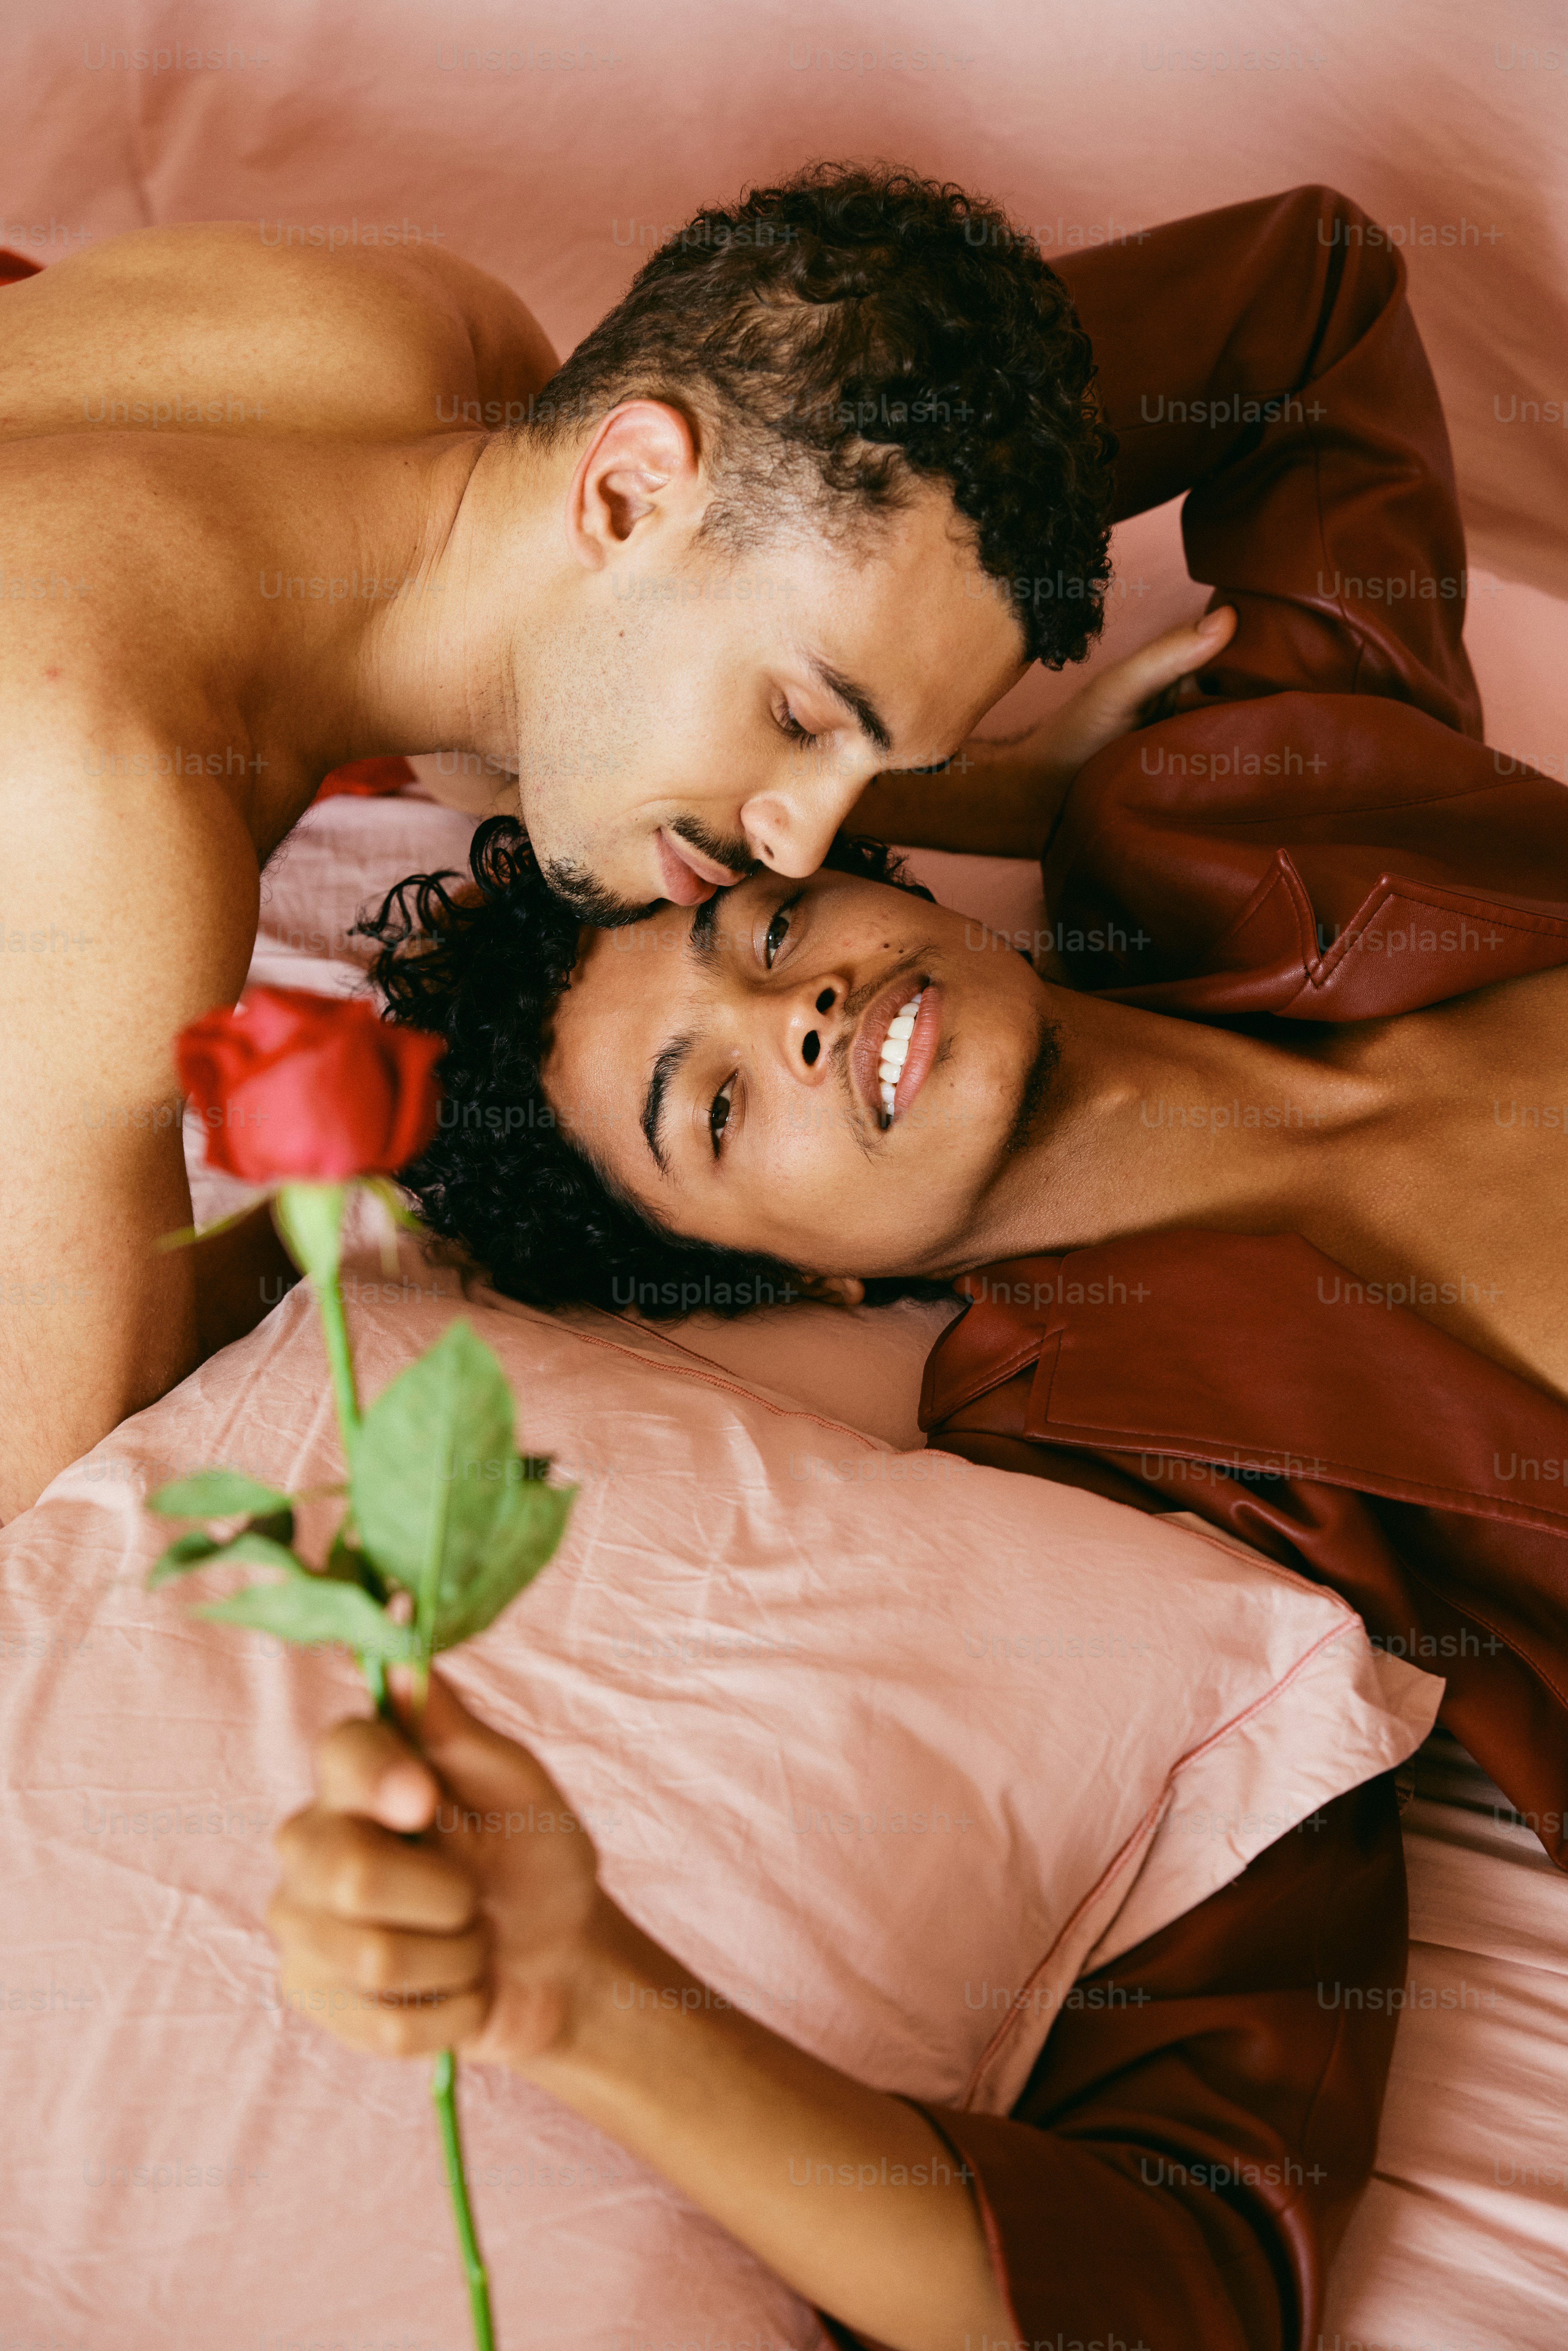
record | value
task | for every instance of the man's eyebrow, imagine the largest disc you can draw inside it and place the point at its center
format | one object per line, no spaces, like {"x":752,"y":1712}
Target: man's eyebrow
{"x":665,"y":1068}
{"x":872,"y":724}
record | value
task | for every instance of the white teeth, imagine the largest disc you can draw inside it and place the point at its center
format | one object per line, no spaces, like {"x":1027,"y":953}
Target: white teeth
{"x":895,"y":1052}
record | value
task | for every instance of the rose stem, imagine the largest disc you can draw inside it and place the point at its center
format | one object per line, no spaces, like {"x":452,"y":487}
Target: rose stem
{"x":443,"y":2079}
{"x":444,"y":2090}
{"x":339,"y":1358}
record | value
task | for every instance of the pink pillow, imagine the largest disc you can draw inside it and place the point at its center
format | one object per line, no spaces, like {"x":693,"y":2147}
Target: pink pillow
{"x":888,"y":1759}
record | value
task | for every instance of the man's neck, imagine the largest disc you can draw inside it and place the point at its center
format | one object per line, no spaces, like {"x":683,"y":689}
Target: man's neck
{"x":1151,"y":1122}
{"x":440,"y":560}
{"x":442,"y":668}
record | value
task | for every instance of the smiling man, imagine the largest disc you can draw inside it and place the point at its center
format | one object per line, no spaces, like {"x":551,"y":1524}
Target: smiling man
{"x":780,"y":523}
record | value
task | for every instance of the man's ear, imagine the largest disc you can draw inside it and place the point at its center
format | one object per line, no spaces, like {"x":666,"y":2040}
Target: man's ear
{"x":833,"y":1289}
{"x":642,"y":462}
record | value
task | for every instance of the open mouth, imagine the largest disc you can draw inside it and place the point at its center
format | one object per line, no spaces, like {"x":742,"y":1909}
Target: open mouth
{"x":897,"y":1045}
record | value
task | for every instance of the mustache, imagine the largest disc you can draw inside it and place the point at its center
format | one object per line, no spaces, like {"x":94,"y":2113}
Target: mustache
{"x":569,"y":880}
{"x":732,"y":851}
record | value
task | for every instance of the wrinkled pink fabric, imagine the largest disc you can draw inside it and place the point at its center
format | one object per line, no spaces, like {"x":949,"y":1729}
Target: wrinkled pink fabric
{"x":887,"y":1757}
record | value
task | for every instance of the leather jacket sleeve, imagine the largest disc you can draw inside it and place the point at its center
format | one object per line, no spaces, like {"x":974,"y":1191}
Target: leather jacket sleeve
{"x":1186,"y":2155}
{"x":1317,"y":832}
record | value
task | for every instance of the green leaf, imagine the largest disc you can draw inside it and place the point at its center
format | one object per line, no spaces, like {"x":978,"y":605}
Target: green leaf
{"x":189,"y":1233}
{"x":183,"y":1553}
{"x":430,"y":1466}
{"x":259,"y":1551}
{"x":444,"y":1504}
{"x":526,"y":1535}
{"x":215,"y":1494}
{"x":311,"y":1608}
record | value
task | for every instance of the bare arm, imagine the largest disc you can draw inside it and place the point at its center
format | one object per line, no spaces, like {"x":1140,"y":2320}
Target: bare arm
{"x":531,"y":1965}
{"x":1001,"y":798}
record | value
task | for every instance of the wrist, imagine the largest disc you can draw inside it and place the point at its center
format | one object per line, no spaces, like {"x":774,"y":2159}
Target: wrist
{"x":622,"y":1990}
{"x":559,"y":2019}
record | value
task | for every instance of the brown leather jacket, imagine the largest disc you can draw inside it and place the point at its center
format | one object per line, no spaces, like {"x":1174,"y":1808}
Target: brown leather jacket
{"x":1318,"y":833}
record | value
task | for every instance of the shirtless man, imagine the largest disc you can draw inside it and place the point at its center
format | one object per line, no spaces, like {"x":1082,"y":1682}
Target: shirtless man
{"x":245,"y":545}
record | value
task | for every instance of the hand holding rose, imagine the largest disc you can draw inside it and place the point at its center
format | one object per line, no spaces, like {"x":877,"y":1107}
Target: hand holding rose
{"x":424,"y":1903}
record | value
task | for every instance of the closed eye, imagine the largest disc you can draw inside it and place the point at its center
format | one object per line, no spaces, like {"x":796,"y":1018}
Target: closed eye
{"x":790,"y":725}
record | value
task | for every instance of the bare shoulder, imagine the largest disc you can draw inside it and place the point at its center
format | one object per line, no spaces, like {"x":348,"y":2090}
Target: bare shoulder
{"x":249,"y":326}
{"x":103,"y":538}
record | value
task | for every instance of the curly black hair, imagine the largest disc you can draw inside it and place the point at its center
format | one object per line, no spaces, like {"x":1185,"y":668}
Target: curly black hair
{"x":854,"y":328}
{"x":507,"y":1175}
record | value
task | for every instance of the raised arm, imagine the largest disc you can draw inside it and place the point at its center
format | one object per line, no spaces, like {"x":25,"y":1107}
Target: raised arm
{"x":1316,"y":830}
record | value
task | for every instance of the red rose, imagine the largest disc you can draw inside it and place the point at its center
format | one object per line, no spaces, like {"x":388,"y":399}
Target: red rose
{"x":295,"y":1088}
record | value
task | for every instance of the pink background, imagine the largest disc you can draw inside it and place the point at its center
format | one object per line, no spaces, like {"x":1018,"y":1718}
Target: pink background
{"x":1083,"y":121}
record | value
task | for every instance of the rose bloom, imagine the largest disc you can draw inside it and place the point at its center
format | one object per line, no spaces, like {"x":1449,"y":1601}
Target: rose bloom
{"x":298,"y":1088}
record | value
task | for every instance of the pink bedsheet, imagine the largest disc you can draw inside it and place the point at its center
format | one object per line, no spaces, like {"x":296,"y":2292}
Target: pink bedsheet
{"x":888,"y":1759}
{"x":1462,"y":2244}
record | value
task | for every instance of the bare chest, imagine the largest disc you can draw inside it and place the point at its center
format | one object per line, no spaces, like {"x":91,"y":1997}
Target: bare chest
{"x":1457,"y":1204}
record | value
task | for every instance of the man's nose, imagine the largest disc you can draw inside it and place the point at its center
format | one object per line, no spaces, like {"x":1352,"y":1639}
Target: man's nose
{"x":792,"y":831}
{"x":813,"y":1017}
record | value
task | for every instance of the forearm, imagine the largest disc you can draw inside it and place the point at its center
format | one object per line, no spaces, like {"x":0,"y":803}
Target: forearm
{"x":997,"y":800}
{"x":1004,"y":798}
{"x":508,"y":1950}
{"x":847,"y":2193}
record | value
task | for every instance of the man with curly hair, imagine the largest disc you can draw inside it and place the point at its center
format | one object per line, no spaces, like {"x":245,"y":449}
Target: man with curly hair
{"x":797,"y":512}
